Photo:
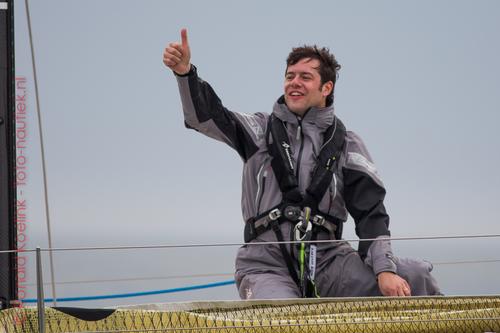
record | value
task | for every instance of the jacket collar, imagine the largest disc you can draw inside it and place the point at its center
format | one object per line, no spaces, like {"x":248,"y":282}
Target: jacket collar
{"x":321,"y":117}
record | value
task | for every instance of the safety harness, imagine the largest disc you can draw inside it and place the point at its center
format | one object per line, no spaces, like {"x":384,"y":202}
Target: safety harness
{"x":297,"y":208}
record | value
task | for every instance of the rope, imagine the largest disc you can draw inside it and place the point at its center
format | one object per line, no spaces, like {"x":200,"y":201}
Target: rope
{"x":145,"y":278}
{"x":136,"y":294}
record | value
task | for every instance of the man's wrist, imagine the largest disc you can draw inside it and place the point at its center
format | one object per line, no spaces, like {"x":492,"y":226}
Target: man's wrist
{"x":185,"y":73}
{"x":380,"y":274}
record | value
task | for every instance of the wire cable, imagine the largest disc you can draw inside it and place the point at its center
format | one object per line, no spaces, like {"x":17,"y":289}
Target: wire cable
{"x":180,"y":246}
{"x":40,"y":131}
{"x":172,"y":246}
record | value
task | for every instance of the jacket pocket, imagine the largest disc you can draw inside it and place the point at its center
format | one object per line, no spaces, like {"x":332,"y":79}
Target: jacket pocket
{"x":332,"y":190}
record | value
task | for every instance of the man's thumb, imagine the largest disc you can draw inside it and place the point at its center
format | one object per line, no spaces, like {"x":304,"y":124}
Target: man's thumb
{"x":184,"y":38}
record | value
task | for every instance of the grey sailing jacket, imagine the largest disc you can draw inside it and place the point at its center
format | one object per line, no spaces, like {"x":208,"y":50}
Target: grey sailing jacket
{"x":356,"y":187}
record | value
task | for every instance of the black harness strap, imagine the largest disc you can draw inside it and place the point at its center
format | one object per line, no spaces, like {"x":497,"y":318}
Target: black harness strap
{"x":326,"y":164}
{"x":275,"y":225}
{"x":282,"y":161}
{"x":259,"y":224}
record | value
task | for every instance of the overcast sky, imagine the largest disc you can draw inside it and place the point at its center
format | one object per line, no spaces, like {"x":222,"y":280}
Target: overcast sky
{"x":419,"y":83}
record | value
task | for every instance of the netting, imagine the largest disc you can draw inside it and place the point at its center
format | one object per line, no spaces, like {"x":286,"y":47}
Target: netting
{"x":414,"y":314}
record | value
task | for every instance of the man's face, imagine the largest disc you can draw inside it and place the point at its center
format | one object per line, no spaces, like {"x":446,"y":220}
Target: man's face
{"x":303,"y":88}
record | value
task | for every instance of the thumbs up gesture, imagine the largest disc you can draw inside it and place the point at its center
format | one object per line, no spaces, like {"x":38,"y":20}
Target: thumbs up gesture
{"x":177,"y":56}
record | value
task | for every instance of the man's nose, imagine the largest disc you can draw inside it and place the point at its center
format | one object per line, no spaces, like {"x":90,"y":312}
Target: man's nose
{"x":295,"y":82}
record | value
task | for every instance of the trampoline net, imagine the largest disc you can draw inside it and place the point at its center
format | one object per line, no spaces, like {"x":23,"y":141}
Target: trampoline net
{"x":412,"y":314}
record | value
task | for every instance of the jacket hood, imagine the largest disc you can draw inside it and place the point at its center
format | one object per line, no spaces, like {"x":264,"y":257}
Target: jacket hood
{"x":321,"y":117}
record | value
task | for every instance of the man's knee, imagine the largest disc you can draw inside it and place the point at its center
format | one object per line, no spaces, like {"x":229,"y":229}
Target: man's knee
{"x":418,"y":274}
{"x":348,"y":276}
{"x":267,"y":286}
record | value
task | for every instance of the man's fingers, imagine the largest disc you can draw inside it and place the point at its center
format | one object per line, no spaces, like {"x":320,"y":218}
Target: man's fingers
{"x":172,"y":58}
{"x":404,"y":289}
{"x":184,"y":38}
{"x":405,"y":292}
{"x":406,"y":284}
{"x":172,"y":54}
{"x":173,"y":51}
{"x":407,"y":288}
{"x":169,"y":62}
{"x":176,"y":46}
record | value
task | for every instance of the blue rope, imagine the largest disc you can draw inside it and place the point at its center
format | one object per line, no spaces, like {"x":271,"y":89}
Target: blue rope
{"x":137,"y":294}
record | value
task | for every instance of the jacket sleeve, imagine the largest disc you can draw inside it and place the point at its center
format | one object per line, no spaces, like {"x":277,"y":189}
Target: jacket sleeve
{"x":364,"y":197}
{"x":204,"y":112}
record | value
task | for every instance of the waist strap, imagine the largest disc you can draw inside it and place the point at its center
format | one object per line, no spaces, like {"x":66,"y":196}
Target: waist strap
{"x":256,"y":226}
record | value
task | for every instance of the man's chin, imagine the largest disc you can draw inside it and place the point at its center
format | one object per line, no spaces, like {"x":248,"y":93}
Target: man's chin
{"x":297,"y":111}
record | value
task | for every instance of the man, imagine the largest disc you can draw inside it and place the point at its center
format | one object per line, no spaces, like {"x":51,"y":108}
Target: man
{"x":303,"y":173}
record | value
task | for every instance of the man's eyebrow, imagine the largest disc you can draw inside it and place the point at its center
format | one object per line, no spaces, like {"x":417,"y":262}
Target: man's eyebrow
{"x":299,"y":73}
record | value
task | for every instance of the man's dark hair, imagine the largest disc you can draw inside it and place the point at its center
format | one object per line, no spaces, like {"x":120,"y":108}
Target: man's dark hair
{"x":328,"y":65}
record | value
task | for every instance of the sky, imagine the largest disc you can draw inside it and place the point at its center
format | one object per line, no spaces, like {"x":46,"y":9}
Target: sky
{"x":419,"y":83}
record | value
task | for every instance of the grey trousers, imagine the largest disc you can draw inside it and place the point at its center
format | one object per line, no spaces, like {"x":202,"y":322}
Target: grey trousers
{"x":262,"y":274}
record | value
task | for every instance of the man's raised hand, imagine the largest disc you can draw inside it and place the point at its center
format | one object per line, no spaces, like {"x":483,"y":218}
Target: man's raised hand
{"x":177,"y":56}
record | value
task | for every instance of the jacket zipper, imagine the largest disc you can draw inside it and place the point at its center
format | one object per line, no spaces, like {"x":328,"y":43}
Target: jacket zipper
{"x":299,"y":137}
{"x":260,"y":181}
{"x":262,"y":192}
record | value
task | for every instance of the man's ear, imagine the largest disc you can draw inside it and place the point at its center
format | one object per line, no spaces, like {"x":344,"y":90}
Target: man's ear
{"x":327,"y":88}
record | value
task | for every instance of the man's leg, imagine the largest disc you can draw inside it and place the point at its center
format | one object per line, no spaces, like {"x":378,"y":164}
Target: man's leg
{"x":267,"y":286}
{"x":418,"y":275}
{"x":346,"y":275}
{"x":261,"y":273}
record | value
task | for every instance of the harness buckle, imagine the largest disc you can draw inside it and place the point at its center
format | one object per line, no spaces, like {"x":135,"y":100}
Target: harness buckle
{"x":318,"y":220}
{"x":292,"y":213}
{"x":304,"y":227}
{"x":274,"y":214}
{"x":303,"y":233}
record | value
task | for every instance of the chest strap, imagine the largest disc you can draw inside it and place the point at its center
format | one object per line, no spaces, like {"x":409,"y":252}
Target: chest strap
{"x":279,"y":148}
